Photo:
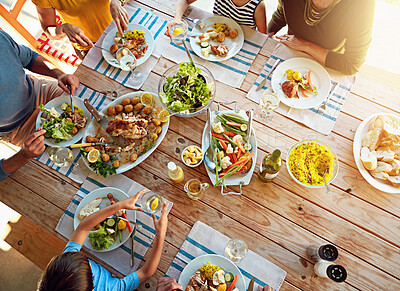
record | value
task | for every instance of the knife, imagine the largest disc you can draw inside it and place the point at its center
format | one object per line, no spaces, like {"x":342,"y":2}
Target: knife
{"x":133,"y":242}
{"x":91,"y":144}
{"x":266,"y":77}
{"x":251,"y":284}
{"x":101,"y":119}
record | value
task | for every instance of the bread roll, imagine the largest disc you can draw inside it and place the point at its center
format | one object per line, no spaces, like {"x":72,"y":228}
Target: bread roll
{"x":373,"y":138}
{"x":395,"y":180}
{"x":90,"y":208}
{"x":368,"y":159}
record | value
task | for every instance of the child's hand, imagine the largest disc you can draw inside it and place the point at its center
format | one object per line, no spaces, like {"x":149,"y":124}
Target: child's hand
{"x":167,"y":284}
{"x":161,"y":224}
{"x":129,"y":203}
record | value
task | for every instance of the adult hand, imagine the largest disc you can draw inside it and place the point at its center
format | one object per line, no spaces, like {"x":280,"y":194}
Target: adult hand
{"x":33,"y":146}
{"x":129,"y":203}
{"x":293,"y":42}
{"x":167,"y":284}
{"x":161,"y":224}
{"x":120,"y":16}
{"x":265,"y":288}
{"x":67,"y":80}
{"x":75,"y":34}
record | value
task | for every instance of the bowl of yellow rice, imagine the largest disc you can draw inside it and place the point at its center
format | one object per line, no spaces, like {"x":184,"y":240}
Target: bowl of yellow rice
{"x":307,"y":161}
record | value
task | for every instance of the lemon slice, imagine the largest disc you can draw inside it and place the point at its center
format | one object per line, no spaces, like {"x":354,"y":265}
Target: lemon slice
{"x":154,"y":204}
{"x":163,"y":115}
{"x":146,"y":99}
{"x":177,"y":31}
{"x":121,"y":224}
{"x":93,"y":155}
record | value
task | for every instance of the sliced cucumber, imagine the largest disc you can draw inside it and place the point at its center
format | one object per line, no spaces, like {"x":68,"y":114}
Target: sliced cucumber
{"x":243,"y":127}
{"x":247,"y":146}
{"x":111,"y":222}
{"x":229,"y":277}
{"x":204,"y":44}
{"x":64,"y":106}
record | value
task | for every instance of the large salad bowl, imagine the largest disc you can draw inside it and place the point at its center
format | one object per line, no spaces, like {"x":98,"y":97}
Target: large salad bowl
{"x":169,"y":90}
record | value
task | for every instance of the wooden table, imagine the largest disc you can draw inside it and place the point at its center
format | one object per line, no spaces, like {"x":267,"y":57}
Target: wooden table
{"x":277,"y":220}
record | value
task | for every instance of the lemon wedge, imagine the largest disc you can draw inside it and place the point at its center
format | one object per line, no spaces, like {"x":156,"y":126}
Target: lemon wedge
{"x":93,"y":155}
{"x":121,"y":224}
{"x":177,"y":31}
{"x":163,"y":115}
{"x":154,"y":204}
{"x":146,"y":99}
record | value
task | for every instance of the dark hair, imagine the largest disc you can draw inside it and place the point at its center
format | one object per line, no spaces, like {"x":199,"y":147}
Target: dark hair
{"x":69,"y":271}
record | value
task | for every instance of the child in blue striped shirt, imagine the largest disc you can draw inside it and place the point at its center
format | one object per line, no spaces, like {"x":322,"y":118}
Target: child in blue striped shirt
{"x":72,"y":270}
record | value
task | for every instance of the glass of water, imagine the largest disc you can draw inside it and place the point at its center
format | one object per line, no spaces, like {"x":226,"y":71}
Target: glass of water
{"x":60,"y":156}
{"x":236,"y":250}
{"x":269,"y":102}
{"x":151,"y":202}
{"x":179,"y":31}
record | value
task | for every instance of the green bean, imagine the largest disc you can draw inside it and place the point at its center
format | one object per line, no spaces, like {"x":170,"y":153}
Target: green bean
{"x":229,"y":139}
{"x":234,"y":118}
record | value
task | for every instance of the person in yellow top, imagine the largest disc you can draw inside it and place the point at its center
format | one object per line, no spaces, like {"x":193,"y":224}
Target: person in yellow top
{"x":83,"y":20}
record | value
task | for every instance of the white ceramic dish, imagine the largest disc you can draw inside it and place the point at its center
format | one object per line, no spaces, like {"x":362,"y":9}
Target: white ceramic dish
{"x":183,"y":160}
{"x":102,"y":192}
{"x":239,"y":178}
{"x":217,"y":260}
{"x":108,"y":41}
{"x":319,"y":77}
{"x":234,"y":45}
{"x":56,"y":103}
{"x":93,"y":126}
{"x":360,"y":133}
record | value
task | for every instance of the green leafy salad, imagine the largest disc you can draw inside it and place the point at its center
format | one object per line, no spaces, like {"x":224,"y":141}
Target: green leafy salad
{"x":107,"y":233}
{"x":64,"y":126}
{"x":188,"y":89}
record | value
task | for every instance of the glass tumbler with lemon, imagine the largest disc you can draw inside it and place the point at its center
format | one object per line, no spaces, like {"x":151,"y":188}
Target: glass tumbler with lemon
{"x":179,"y":31}
{"x":151,"y":202}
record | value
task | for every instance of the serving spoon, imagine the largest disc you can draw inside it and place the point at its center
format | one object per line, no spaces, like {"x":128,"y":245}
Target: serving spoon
{"x":327,"y":188}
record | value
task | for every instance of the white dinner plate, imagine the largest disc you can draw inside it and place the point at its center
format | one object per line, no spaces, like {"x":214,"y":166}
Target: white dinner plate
{"x":56,"y":103}
{"x":319,"y":78}
{"x":102,"y":192}
{"x":217,"y":260}
{"x":108,"y":41}
{"x":234,"y":45}
{"x":234,"y":179}
{"x":360,"y":133}
{"x":93,"y":126}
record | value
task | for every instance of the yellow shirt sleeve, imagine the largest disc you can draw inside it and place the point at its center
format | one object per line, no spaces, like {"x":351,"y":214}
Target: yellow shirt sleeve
{"x":43,"y":3}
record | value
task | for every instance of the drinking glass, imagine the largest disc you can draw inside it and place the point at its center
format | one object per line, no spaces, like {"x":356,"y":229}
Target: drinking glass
{"x":179,"y":31}
{"x":79,"y":167}
{"x":151,"y":202}
{"x":236,"y":250}
{"x":195,"y":189}
{"x":60,"y":156}
{"x":269,"y":102}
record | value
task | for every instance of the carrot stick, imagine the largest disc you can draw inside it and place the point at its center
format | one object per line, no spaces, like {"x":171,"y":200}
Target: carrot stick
{"x":229,"y":133}
{"x":233,"y":283}
{"x":233,"y":124}
{"x":240,"y":146}
{"x":127,"y":224}
{"x":223,"y":144}
{"x":304,"y":91}
{"x":245,"y":160}
{"x":309,"y":80}
{"x":218,"y":136}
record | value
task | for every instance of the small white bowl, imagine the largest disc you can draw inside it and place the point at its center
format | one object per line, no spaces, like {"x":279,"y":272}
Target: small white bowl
{"x":199,"y":149}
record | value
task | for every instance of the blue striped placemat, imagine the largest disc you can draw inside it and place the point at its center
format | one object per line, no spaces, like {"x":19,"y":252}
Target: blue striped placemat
{"x":320,"y":121}
{"x":203,"y":239}
{"x":99,"y":101}
{"x":155,"y":24}
{"x":119,"y":258}
{"x":231,"y":72}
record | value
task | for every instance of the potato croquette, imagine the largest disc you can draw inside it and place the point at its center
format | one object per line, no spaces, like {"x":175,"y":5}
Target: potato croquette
{"x":233,"y":33}
{"x":159,"y":129}
{"x":133,"y":157}
{"x":220,"y":37}
{"x":88,"y":149}
{"x":154,"y":136}
{"x":119,"y":108}
{"x":139,"y":107}
{"x":135,"y":100}
{"x":156,"y":121}
{"x":111,"y":110}
{"x":128,"y":108}
{"x":114,"y":48}
{"x":148,"y":109}
{"x":105,"y":157}
{"x":90,"y":138}
{"x":74,"y":131}
{"x":116,"y":164}
{"x":125,"y":101}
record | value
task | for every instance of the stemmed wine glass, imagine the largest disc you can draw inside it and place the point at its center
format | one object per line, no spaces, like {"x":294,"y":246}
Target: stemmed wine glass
{"x":64,"y":157}
{"x":269,"y":102}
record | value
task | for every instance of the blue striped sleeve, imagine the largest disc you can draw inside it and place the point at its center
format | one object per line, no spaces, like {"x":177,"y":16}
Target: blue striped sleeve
{"x":3,"y":173}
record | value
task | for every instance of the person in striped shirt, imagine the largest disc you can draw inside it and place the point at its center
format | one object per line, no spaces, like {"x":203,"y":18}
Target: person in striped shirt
{"x":245,"y":12}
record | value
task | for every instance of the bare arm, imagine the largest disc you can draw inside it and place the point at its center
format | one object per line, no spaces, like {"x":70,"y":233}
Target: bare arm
{"x":151,"y":264}
{"x":43,"y":67}
{"x":82,"y":231}
{"x":181,"y":6}
{"x":261,"y":18}
{"x":47,"y":17}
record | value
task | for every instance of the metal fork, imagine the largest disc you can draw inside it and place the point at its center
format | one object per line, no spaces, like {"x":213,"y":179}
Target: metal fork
{"x":322,"y":108}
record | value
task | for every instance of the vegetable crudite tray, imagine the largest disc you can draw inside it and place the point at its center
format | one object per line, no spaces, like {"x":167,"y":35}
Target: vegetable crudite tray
{"x":239,"y":179}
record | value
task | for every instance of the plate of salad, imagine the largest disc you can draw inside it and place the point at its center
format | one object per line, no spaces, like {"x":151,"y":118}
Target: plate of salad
{"x":63,"y":128}
{"x":301,"y":83}
{"x":113,"y":231}
{"x":233,"y":155}
{"x":186,"y":89}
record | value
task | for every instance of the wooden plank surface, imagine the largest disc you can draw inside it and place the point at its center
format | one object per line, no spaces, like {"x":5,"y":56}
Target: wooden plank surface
{"x":277,"y":220}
